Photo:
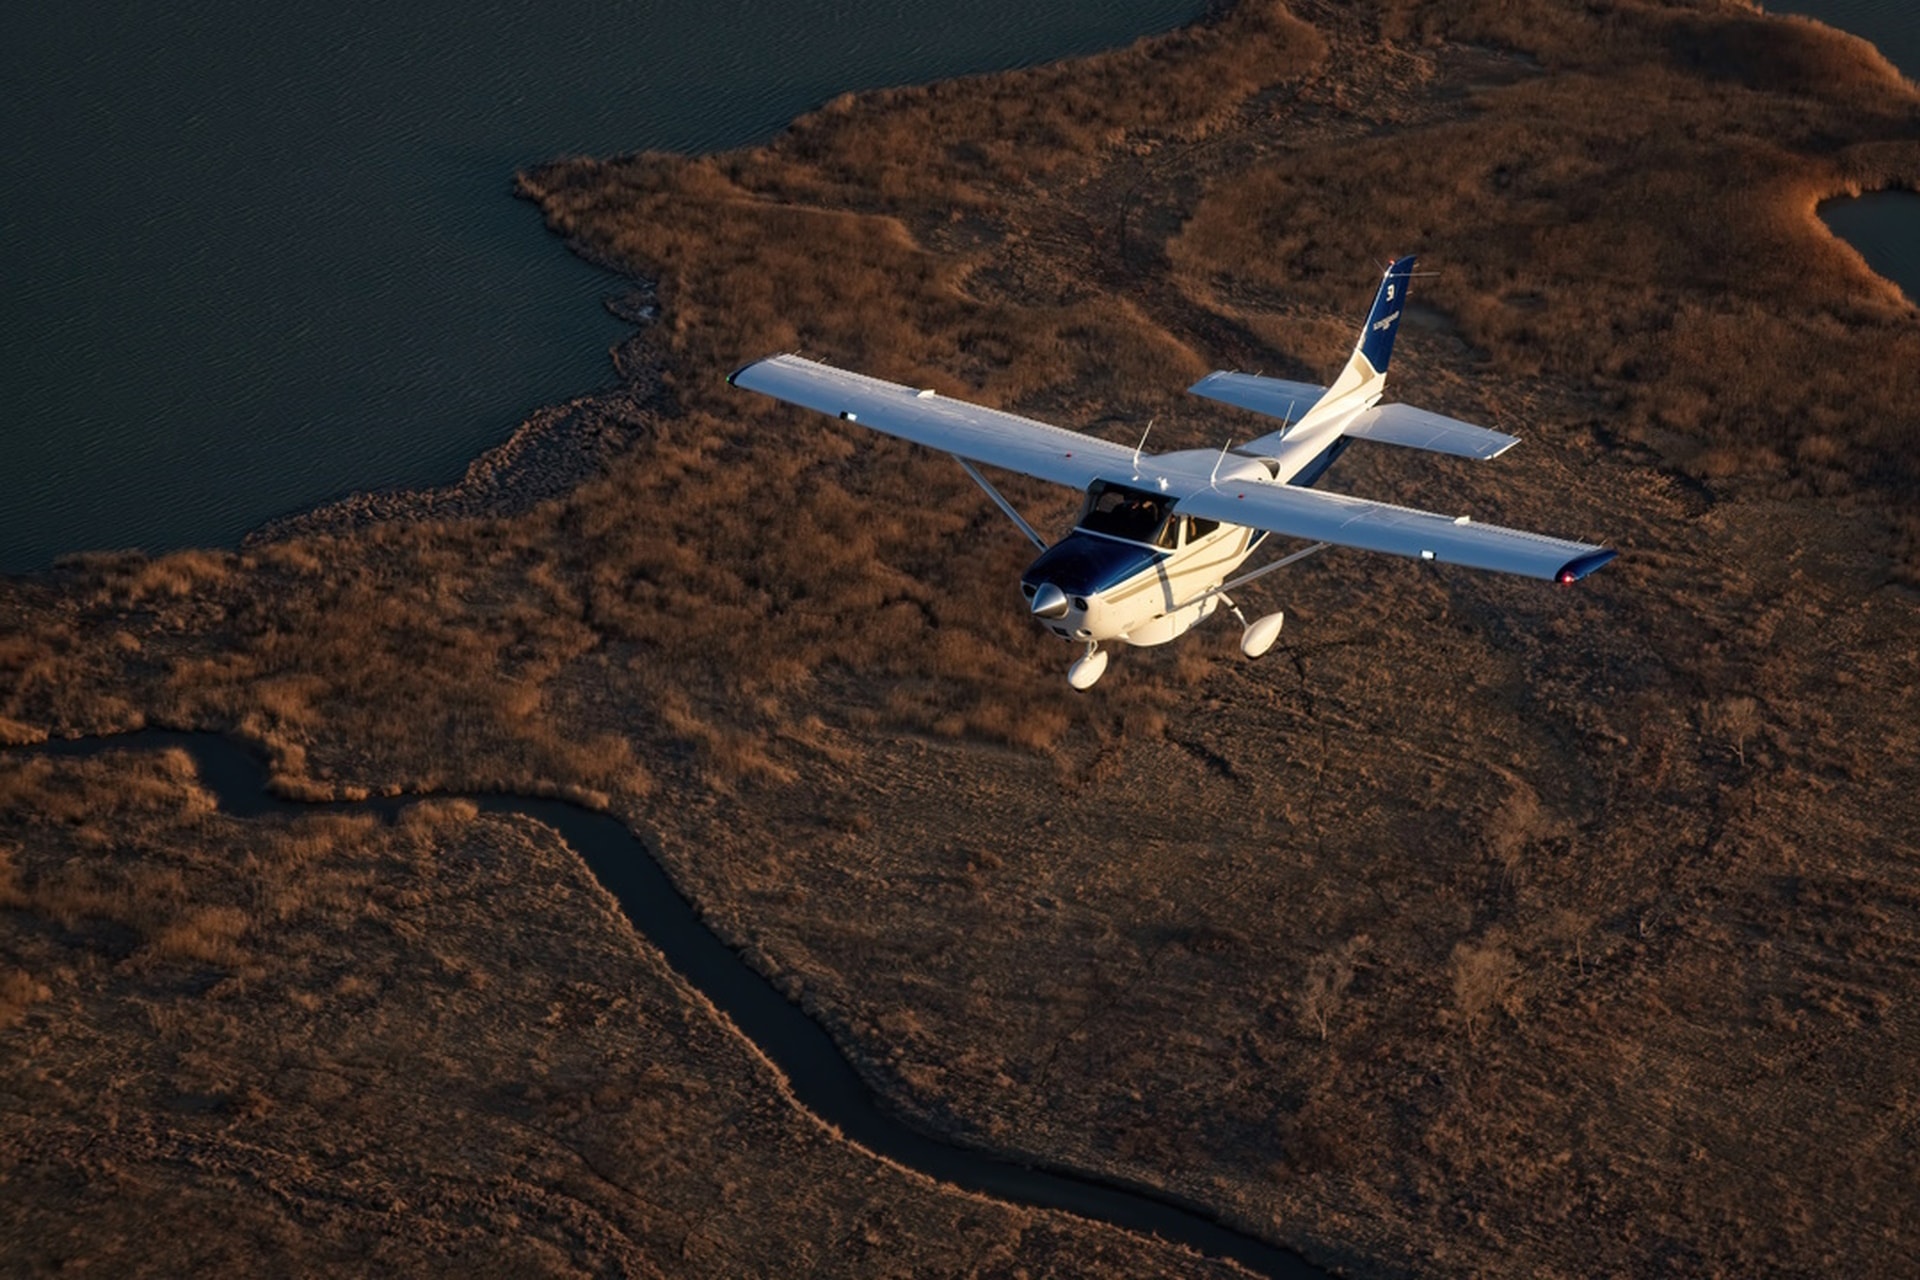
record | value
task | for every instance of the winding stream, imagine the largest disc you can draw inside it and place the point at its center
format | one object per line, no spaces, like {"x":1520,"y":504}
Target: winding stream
{"x":821,"y":1078}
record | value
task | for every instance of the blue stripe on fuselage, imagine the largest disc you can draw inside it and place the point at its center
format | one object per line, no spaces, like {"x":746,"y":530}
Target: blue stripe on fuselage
{"x":1086,"y":564}
{"x":1311,"y":473}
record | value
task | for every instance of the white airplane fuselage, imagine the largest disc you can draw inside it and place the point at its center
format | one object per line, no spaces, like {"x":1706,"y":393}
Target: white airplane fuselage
{"x":1163,"y":537}
{"x":1148,"y":583}
{"x":1121,"y":589}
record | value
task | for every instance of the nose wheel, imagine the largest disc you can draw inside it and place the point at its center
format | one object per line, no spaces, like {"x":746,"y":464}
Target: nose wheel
{"x":1091,"y":666}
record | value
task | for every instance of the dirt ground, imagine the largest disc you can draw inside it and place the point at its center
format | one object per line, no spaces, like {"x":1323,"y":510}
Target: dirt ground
{"x":1484,"y":927}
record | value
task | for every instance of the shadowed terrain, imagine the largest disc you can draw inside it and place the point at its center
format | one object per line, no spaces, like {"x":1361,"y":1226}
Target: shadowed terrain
{"x":1483,"y":927}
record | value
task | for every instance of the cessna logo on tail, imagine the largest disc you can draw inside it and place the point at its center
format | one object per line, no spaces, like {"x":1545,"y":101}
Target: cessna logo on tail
{"x":1384,"y":323}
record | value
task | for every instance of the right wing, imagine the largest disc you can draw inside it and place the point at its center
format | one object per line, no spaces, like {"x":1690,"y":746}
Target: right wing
{"x":952,"y":426}
{"x":1380,"y":526}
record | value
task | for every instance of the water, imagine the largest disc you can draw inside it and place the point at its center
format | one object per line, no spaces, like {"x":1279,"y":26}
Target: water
{"x":249,"y":265}
{"x":1883,"y":226}
{"x":1893,"y":26}
{"x":254,"y":259}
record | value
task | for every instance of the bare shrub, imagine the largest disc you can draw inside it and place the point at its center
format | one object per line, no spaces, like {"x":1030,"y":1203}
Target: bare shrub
{"x":18,"y":991}
{"x":1734,"y":721}
{"x":209,"y":935}
{"x":1485,"y":981}
{"x":1325,"y":987}
{"x":1513,"y":827}
{"x":432,"y":816}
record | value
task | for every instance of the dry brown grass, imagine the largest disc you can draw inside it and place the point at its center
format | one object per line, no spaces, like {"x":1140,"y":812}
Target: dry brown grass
{"x":320,"y":1043}
{"x":1099,"y":929}
{"x":1581,"y":232}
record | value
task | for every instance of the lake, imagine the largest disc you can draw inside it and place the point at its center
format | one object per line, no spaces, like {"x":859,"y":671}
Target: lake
{"x":260,"y":259}
{"x":1885,"y":225}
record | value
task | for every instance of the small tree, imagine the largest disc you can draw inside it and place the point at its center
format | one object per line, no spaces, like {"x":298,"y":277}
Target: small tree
{"x":1736,"y":720}
{"x":1328,"y":977}
{"x":1484,"y":978}
{"x":1570,"y":925}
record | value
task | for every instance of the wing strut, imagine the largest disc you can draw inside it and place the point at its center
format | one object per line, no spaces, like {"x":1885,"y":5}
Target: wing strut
{"x":1001,"y":502}
{"x":1261,"y":572}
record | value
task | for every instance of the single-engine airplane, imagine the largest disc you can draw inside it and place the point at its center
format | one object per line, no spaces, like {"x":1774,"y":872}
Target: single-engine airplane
{"x":1162,"y":536}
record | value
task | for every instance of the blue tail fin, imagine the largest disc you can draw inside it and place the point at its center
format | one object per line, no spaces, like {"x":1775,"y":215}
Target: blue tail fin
{"x":1376,"y":342}
{"x":1366,"y":372}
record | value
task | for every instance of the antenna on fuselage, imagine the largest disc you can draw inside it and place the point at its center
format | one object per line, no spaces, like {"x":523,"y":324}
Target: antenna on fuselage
{"x":1143,"y":444}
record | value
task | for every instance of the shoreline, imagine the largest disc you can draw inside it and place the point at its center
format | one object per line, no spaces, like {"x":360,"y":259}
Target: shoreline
{"x":1528,"y":844}
{"x":561,"y":445}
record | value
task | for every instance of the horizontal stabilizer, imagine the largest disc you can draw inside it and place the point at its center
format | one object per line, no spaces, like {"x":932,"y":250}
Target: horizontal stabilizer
{"x":1412,"y":428}
{"x":1274,"y":397}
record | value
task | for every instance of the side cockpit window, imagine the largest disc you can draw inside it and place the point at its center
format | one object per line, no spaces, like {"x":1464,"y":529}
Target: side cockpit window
{"x":1133,"y":514}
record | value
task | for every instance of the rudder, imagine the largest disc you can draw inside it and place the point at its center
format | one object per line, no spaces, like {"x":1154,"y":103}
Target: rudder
{"x":1383,"y":322}
{"x":1366,"y":369}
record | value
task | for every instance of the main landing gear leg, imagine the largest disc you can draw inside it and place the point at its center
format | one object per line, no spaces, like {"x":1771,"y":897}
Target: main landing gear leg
{"x":1091,"y":666}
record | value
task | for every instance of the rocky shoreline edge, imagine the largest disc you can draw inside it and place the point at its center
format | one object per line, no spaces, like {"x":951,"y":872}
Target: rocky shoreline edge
{"x":549,"y":454}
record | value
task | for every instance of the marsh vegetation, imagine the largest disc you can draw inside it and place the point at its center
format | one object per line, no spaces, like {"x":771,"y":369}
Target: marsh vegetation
{"x":1481,"y":928}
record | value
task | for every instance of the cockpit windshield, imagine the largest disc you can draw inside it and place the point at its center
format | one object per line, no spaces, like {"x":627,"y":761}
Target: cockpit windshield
{"x":1134,"y":514}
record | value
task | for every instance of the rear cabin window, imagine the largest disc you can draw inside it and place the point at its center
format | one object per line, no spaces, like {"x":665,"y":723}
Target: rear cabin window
{"x":1127,"y":513}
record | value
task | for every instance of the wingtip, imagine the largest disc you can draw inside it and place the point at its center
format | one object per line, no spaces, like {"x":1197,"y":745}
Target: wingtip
{"x":1580,"y":566}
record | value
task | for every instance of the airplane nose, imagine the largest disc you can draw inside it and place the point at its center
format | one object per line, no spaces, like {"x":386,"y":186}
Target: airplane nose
{"x":1049,"y":602}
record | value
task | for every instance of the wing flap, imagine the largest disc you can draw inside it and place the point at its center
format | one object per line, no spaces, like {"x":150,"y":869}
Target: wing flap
{"x":1412,"y":428}
{"x":1402,"y":531}
{"x":952,"y":426}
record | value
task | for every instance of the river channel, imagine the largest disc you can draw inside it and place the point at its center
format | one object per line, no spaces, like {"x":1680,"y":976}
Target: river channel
{"x":821,"y":1078}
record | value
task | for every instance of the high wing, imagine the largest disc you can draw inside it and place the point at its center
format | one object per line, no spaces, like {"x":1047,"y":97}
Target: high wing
{"x":952,"y":426}
{"x":1379,"y":526}
{"x":1194,"y":479}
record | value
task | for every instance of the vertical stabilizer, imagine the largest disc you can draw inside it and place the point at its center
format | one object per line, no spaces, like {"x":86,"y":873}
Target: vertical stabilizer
{"x":1365,"y":375}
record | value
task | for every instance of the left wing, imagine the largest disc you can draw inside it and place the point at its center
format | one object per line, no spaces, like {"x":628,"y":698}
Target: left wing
{"x":952,"y":426}
{"x":1403,"y":531}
